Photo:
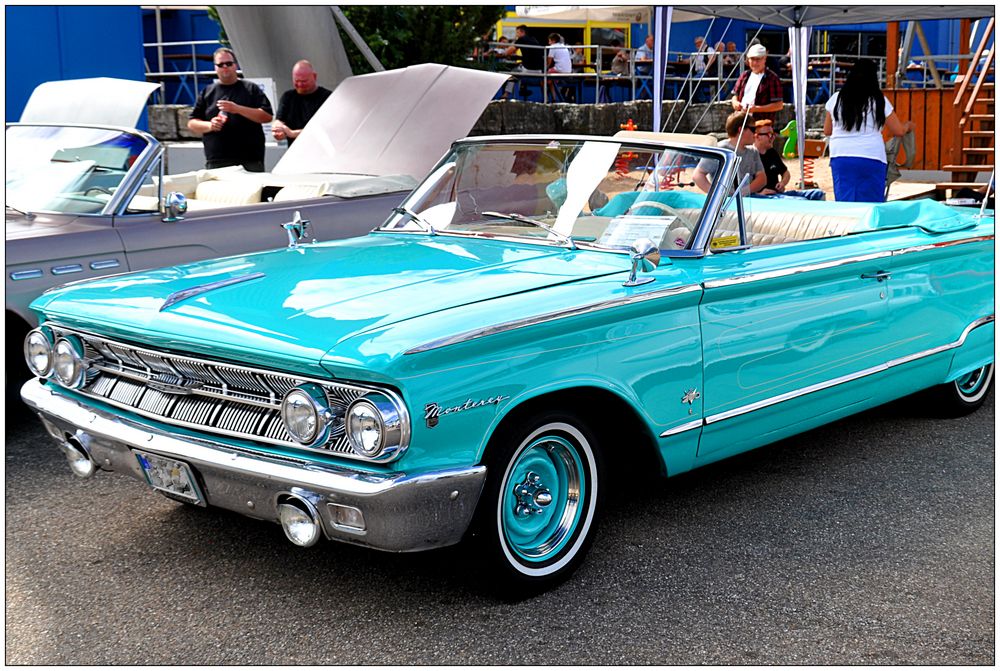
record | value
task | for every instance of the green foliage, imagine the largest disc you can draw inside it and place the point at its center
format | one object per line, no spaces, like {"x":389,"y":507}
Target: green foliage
{"x":402,"y":35}
{"x":213,"y":14}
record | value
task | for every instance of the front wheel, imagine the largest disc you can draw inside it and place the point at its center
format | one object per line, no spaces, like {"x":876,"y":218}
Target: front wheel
{"x":964,"y":395}
{"x":539,"y":509}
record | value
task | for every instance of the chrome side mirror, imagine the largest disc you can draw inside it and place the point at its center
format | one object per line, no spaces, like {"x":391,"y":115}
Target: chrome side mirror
{"x":645,"y":257}
{"x":174,"y":206}
{"x":296,"y":229}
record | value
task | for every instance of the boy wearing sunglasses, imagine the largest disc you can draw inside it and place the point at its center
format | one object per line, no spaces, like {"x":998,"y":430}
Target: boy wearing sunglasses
{"x":775,"y":168}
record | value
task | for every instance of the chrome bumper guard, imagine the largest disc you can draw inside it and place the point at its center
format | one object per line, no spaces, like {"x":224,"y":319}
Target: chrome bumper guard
{"x":402,"y":512}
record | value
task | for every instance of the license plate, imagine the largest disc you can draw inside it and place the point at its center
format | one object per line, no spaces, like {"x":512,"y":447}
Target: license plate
{"x":170,"y":476}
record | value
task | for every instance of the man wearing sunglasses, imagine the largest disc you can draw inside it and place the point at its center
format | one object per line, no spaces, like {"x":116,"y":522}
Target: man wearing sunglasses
{"x":229,"y":115}
{"x":775,"y":168}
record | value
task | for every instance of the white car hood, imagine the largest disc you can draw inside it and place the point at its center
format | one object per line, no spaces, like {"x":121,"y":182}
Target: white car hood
{"x":393,"y":122}
{"x":99,"y":100}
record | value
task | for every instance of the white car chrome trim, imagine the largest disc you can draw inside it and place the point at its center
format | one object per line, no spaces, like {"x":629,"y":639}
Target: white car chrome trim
{"x":696,"y":424}
{"x":551,"y":316}
{"x":785,"y":272}
{"x":819,"y":386}
{"x":939,"y":245}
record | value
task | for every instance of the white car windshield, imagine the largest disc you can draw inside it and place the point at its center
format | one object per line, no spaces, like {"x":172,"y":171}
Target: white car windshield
{"x":67,"y":169}
{"x":599,"y":193}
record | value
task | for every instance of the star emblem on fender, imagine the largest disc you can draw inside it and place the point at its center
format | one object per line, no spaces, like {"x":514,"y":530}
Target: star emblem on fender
{"x":689,"y":396}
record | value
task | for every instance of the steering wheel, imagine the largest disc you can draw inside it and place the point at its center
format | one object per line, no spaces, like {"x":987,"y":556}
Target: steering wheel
{"x":98,"y":189}
{"x":666,"y":209}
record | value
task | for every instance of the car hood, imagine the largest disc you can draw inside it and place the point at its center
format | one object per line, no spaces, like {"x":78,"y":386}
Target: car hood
{"x":297,"y":304}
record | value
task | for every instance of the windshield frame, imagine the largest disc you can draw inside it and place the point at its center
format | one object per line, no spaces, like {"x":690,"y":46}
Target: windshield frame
{"x":698,"y":248}
{"x":129,"y":184}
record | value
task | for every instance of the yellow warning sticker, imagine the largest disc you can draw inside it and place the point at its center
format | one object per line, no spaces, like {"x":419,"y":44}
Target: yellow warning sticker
{"x":725,"y":241}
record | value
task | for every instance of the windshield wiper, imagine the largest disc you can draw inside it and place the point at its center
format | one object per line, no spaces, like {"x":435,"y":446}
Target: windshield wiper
{"x":527,"y":220}
{"x":26,"y":215}
{"x":414,"y":217}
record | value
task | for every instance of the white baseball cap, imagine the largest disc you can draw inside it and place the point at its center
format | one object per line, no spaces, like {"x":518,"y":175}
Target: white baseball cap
{"x":756,"y":50}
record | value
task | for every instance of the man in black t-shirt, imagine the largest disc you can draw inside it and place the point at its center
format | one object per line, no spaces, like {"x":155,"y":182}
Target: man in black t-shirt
{"x":229,"y":115}
{"x":299,"y":104}
{"x":532,"y":58}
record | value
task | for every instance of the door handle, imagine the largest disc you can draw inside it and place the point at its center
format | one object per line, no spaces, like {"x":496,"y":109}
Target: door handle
{"x":880,"y":275}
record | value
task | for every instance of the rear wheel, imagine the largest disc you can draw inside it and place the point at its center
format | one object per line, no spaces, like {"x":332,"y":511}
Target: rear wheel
{"x":964,"y":395}
{"x":538,"y":512}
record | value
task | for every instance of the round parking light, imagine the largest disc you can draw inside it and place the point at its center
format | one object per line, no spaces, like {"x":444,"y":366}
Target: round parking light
{"x":79,"y":461}
{"x":299,"y":521}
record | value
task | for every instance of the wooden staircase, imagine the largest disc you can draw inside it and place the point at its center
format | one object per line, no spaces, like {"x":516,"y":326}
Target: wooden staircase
{"x":974,"y":103}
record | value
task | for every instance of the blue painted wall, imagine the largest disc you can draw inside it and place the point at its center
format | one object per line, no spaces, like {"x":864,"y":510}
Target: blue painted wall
{"x":49,"y":43}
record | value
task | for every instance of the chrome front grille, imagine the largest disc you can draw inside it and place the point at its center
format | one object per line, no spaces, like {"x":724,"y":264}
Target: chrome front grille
{"x":213,"y":396}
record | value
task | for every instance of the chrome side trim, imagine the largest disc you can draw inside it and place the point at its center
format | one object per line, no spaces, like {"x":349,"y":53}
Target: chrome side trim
{"x":788,"y":396}
{"x":938,"y":245}
{"x":178,"y":296}
{"x":26,"y":274}
{"x":550,"y":316}
{"x":65,"y":270}
{"x":785,"y":272}
{"x":105,"y":264}
{"x":696,"y":424}
{"x":774,"y":274}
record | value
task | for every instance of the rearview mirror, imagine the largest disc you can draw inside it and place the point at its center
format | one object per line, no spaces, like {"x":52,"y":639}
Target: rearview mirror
{"x":174,"y":206}
{"x":645,"y":257}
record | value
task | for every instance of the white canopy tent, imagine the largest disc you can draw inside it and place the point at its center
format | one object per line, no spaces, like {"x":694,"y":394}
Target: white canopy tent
{"x":799,"y":20}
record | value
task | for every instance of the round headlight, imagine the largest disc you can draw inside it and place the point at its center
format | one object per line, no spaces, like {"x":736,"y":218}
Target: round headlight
{"x":67,"y":362}
{"x":306,"y":415}
{"x":38,"y":353}
{"x":375,"y":426}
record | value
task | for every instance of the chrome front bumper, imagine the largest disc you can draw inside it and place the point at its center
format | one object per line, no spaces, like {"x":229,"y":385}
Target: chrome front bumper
{"x":402,"y":512}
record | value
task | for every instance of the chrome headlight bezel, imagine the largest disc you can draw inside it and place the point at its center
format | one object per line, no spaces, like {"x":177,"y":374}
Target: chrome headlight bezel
{"x":45,"y":334}
{"x":390,"y":422}
{"x":313,"y":398}
{"x":70,"y":348}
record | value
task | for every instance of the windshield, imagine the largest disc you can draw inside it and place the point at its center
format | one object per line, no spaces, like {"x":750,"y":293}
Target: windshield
{"x":66,"y":169}
{"x":568,"y":192}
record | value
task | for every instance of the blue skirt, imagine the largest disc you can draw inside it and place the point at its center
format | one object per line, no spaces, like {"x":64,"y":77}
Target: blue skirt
{"x":858,"y":180}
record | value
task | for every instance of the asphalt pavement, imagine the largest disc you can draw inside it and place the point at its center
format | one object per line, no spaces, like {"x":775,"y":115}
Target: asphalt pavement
{"x":868,"y":541}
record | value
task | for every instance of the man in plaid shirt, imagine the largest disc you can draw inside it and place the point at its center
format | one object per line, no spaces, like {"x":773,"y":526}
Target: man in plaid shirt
{"x":758,"y":90}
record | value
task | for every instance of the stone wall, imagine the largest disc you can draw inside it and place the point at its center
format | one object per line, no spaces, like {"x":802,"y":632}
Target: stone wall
{"x":503,"y":117}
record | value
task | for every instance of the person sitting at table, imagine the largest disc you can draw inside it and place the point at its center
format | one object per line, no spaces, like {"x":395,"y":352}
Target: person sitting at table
{"x":700,"y":65}
{"x":758,"y":90}
{"x":731,"y":57}
{"x":559,"y":60}
{"x":532,"y":59}
{"x":644,"y":58}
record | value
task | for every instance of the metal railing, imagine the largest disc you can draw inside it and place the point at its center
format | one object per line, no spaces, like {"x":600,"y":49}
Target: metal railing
{"x":179,"y":62}
{"x":826,"y":72}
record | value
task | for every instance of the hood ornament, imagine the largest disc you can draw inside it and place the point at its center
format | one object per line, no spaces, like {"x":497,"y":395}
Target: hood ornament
{"x":297,"y":229}
{"x":179,"y":296}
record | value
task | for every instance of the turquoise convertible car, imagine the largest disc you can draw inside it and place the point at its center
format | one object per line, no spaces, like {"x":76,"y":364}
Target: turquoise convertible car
{"x":538,"y":310}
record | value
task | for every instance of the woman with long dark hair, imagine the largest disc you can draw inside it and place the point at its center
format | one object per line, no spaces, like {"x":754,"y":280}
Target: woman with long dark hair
{"x":855,"y":116}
